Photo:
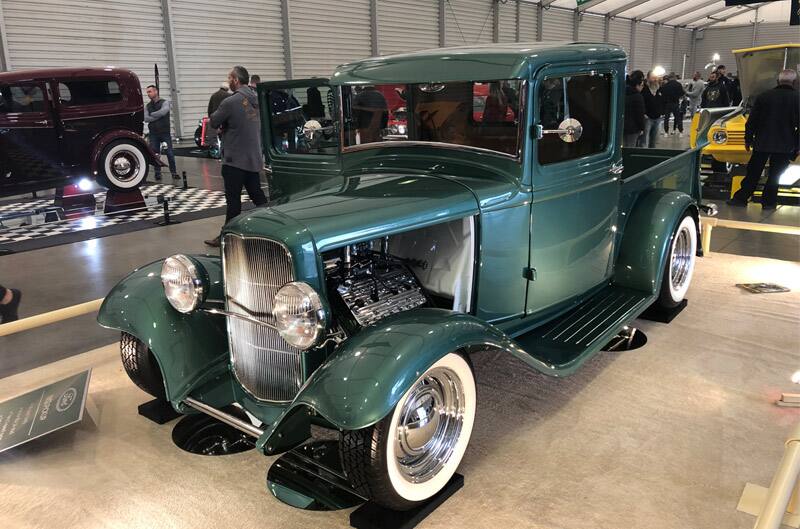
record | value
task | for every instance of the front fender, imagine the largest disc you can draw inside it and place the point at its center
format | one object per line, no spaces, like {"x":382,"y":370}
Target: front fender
{"x":647,"y":236}
{"x":365,"y":378}
{"x":189,"y":348}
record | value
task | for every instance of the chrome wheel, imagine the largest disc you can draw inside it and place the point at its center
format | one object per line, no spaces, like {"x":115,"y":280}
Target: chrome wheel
{"x":431,"y":420}
{"x":681,"y":259}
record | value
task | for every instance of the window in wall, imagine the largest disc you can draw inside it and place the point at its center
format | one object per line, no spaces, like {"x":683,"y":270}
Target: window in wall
{"x":586,"y":98}
{"x":88,"y":92}
{"x":21,"y":98}
{"x":302,"y":120}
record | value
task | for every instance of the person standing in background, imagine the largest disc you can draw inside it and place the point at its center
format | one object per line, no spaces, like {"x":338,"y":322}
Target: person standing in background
{"x":773,"y":132}
{"x":156,"y":115}
{"x":715,"y":94}
{"x":9,"y":303}
{"x":673,"y":92}
{"x":694,"y":91}
{"x":240,"y":120}
{"x":634,"y":109}
{"x":218,"y":97}
{"x":254,"y":80}
{"x":654,"y":109}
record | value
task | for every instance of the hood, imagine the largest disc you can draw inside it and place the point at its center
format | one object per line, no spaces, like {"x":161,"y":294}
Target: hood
{"x":365,"y":207}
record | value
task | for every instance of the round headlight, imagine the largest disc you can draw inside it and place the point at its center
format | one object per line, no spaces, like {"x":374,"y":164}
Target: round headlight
{"x":719,"y":136}
{"x":183,"y":283}
{"x":299,"y":315}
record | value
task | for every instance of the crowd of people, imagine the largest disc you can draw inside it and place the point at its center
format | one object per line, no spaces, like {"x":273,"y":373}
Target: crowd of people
{"x":653,"y":100}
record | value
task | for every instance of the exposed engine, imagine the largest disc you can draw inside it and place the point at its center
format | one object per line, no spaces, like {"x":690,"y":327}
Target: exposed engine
{"x":369,"y":285}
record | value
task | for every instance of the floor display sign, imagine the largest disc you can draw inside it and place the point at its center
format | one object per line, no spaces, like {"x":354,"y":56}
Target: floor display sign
{"x":43,"y":411}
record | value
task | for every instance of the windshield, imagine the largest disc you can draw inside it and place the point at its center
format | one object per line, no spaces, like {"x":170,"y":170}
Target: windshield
{"x":758,"y":70}
{"x":484,"y":115}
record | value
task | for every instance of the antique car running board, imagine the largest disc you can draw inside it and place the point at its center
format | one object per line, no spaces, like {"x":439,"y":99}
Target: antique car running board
{"x":225,"y":417}
{"x":566,"y":341}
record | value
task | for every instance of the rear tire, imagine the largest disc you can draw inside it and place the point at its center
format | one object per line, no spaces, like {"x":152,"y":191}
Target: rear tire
{"x":411,"y":454}
{"x":123,"y":165}
{"x":679,"y":265}
{"x":141,"y":366}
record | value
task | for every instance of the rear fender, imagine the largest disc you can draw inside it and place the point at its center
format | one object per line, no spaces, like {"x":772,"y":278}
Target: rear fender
{"x":648,"y":234}
{"x":366,"y":376}
{"x":189,"y":348}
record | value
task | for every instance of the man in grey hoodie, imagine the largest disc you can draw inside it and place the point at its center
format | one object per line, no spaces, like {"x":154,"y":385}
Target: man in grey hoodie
{"x":238,"y":117}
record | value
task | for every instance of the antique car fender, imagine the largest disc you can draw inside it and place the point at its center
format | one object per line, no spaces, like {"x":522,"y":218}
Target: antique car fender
{"x":189,"y":348}
{"x":647,"y":235}
{"x":366,"y":376}
{"x":101,"y":143}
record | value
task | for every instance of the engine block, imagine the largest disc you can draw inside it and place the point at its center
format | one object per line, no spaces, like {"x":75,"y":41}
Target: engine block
{"x":374,"y":291}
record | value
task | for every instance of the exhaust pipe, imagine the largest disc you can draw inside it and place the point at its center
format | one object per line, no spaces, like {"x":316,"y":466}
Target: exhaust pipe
{"x":228,"y":419}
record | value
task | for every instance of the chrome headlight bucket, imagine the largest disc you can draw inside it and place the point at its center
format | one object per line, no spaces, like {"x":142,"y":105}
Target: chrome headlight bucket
{"x":720,"y":136}
{"x":299,"y":315}
{"x":185,"y":282}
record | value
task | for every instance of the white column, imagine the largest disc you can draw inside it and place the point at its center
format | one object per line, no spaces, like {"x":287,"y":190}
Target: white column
{"x":286,"y":27}
{"x":5,"y":61}
{"x":172,"y":65}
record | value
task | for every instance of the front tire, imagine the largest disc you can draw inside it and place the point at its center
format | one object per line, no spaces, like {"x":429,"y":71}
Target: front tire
{"x":679,"y":265}
{"x":411,"y":454}
{"x":123,"y":166}
{"x":141,"y":366}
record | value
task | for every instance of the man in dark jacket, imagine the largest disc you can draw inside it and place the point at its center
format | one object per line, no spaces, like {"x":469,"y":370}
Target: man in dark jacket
{"x":654,"y":109}
{"x":218,"y":97}
{"x":773,"y":132}
{"x":240,"y":120}
{"x":156,"y":115}
{"x":673,"y":92}
{"x":634,"y":109}
{"x":716,"y":93}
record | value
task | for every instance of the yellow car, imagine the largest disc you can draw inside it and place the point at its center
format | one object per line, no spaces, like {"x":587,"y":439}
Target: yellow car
{"x":758,"y":71}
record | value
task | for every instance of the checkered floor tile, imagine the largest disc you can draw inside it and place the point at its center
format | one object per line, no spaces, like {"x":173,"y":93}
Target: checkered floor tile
{"x":181,"y":201}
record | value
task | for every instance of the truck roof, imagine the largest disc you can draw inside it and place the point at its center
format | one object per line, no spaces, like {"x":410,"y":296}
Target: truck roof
{"x":472,"y":63}
{"x":63,"y":73}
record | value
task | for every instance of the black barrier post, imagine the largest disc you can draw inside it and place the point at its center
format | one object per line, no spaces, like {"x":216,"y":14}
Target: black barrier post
{"x":185,"y":183}
{"x":167,"y":221}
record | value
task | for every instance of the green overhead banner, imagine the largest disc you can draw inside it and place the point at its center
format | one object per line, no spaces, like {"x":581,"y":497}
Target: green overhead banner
{"x":43,"y":410}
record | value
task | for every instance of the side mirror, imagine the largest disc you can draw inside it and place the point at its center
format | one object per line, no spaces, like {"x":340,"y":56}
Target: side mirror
{"x":569,"y":130}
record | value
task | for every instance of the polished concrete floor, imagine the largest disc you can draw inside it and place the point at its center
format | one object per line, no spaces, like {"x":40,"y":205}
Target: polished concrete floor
{"x":662,"y":437}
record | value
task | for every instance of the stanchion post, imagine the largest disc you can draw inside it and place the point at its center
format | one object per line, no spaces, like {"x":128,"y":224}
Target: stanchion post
{"x":185,"y":182}
{"x":167,"y":220}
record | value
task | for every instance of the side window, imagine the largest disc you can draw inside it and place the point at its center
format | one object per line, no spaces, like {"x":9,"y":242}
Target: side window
{"x":585,"y":98}
{"x":302,"y":120}
{"x":88,"y":92}
{"x":21,"y":98}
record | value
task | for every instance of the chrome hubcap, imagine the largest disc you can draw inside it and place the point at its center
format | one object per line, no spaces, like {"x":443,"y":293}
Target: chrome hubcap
{"x":681,"y":258}
{"x":430,"y":424}
{"x":123,"y":167}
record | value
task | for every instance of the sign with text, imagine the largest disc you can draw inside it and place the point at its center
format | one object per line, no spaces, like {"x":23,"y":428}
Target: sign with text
{"x":42,"y":411}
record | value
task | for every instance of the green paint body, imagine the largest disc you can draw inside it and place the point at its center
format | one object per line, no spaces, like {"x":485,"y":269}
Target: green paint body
{"x":582,"y":229}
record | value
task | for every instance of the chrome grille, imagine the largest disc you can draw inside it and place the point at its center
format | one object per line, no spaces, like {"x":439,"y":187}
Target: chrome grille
{"x":265,"y":365}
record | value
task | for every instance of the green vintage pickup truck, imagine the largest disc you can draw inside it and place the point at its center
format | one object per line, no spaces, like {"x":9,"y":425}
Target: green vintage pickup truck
{"x":425,"y":208}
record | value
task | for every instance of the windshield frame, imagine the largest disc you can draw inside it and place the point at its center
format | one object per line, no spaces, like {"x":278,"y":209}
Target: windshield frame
{"x":517,"y":157}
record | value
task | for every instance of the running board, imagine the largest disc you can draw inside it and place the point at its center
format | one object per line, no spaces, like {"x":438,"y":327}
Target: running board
{"x":562,"y":345}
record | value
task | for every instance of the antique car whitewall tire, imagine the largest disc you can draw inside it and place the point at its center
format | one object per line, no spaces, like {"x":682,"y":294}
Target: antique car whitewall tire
{"x":123,"y":166}
{"x":141,"y":366}
{"x":411,"y":454}
{"x":679,"y":266}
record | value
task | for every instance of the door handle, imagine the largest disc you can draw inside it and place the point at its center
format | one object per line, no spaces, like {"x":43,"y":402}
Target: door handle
{"x":5,"y":131}
{"x":42,"y":122}
{"x":616,"y":168}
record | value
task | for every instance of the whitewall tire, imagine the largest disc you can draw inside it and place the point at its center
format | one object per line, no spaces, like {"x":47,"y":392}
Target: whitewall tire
{"x":123,"y":165}
{"x":412,"y":453}
{"x":679,"y":266}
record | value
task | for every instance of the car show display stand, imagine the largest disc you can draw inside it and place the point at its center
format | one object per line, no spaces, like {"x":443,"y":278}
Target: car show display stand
{"x":662,"y":315}
{"x":74,"y":201}
{"x":118,"y":201}
{"x":159,"y":411}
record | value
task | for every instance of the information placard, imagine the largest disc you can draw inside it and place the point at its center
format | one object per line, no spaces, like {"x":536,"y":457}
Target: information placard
{"x":42,"y":411}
